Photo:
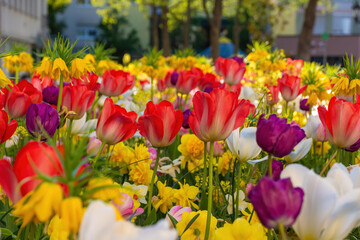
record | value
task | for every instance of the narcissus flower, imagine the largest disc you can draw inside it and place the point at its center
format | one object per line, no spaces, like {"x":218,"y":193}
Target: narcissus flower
{"x":192,"y":150}
{"x":241,"y":229}
{"x":217,"y":114}
{"x":115,"y":83}
{"x":276,"y":202}
{"x":115,"y":124}
{"x":39,"y":205}
{"x":342,"y":122}
{"x":276,"y":137}
{"x":197,"y":228}
{"x":165,"y":198}
{"x":160,"y":123}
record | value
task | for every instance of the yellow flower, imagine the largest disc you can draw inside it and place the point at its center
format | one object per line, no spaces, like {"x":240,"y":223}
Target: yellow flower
{"x":79,"y":67}
{"x":102,"y":66}
{"x":45,"y":69}
{"x":104,"y":189}
{"x":341,"y":85}
{"x":247,"y":214}
{"x":4,"y":81}
{"x":322,"y":148}
{"x":137,"y":192}
{"x":40,"y":204}
{"x":241,"y":229}
{"x":226,"y":162}
{"x":12,"y":63}
{"x":71,"y":213}
{"x":56,"y":229}
{"x":299,"y":118}
{"x":126,"y":58}
{"x":122,"y":156}
{"x":354,"y":87}
{"x":140,"y":173}
{"x":26,"y":61}
{"x":90,"y":59}
{"x":60,"y":68}
{"x":186,"y":195}
{"x":164,"y":199}
{"x":192,"y":150}
{"x":141,"y":153}
{"x":197,"y":230}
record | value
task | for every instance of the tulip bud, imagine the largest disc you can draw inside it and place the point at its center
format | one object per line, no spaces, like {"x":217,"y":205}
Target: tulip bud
{"x":177,"y":212}
{"x":94,"y":146}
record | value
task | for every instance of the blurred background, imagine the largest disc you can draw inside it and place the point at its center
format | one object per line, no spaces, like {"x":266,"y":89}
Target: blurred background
{"x":317,"y":30}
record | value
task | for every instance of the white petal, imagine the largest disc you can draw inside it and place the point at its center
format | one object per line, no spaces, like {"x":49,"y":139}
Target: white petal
{"x":300,"y":150}
{"x":339,"y":177}
{"x":355,"y":176}
{"x":247,"y":145}
{"x":253,"y":162}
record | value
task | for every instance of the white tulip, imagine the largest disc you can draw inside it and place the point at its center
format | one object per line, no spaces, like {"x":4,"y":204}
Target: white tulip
{"x":249,"y":94}
{"x":300,"y":150}
{"x":331,"y":207}
{"x":99,"y":223}
{"x":81,"y":126}
{"x":311,"y":125}
{"x":243,"y":144}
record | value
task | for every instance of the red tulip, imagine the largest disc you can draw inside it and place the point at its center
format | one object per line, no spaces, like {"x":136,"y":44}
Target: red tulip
{"x":33,"y":156}
{"x":77,"y":99}
{"x":7,"y":128}
{"x":342,"y":122}
{"x":217,"y":114}
{"x":20,"y":97}
{"x":272,"y":97}
{"x":115,"y":124}
{"x":115,"y":83}
{"x":290,"y":87}
{"x":209,"y":80}
{"x":188,"y":80}
{"x":230,"y":69}
{"x":160,"y":123}
{"x":40,"y":83}
{"x":89,"y":80}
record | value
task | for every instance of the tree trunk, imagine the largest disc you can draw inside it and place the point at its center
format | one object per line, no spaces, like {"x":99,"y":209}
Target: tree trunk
{"x":165,"y":31}
{"x":236,"y":29}
{"x":215,"y":29}
{"x":304,"y":44}
{"x":154,"y":27}
{"x":187,"y":24}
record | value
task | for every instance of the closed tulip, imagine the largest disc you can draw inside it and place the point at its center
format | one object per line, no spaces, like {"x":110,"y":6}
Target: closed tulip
{"x":115,"y":82}
{"x":34,"y":155}
{"x":160,"y":123}
{"x":342,"y":122}
{"x":42,"y":117}
{"x":230,"y":69}
{"x":115,"y":124}
{"x":272,"y":97}
{"x":276,"y":137}
{"x":276,"y":202}
{"x":217,"y":114}
{"x":20,"y":97}
{"x":77,"y":99}
{"x":290,"y":87}
{"x":188,"y":80}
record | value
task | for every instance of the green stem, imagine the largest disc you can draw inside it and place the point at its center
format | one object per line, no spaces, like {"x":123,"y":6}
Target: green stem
{"x":286,"y":107}
{"x":328,"y":163}
{"x":180,"y":102}
{"x":99,"y":153}
{"x":282,"y":232}
{"x":209,"y":208}
{"x":270,"y":165}
{"x":152,"y":181}
{"x":60,"y":93}
{"x":204,"y":172}
{"x":186,"y":99}
{"x":17,"y":75}
{"x":152,"y":89}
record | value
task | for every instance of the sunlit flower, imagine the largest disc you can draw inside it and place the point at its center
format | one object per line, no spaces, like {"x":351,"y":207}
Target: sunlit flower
{"x":241,"y":229}
{"x":186,"y":195}
{"x":165,"y":198}
{"x":60,"y":68}
{"x":192,"y":150}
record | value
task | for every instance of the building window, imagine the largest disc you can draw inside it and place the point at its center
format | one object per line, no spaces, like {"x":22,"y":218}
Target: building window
{"x":86,"y":33}
{"x":342,"y":25}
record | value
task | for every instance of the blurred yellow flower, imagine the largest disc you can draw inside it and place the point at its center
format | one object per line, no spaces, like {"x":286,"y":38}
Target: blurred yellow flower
{"x":140,"y":173}
{"x":71,"y":213}
{"x":60,"y":68}
{"x":79,"y":68}
{"x":45,"y":69}
{"x":56,"y":229}
{"x":104,"y":189}
{"x":226,"y":162}
{"x":241,"y":229}
{"x":40,"y":204}
{"x":126,"y":58}
{"x":4,"y":81}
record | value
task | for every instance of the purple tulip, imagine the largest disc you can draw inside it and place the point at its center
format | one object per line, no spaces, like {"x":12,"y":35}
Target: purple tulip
{"x":276,"y":202}
{"x":208,"y":89}
{"x":50,"y":95}
{"x":277,"y":168}
{"x":174,"y":78}
{"x":276,"y":137}
{"x":354,"y":147}
{"x":42,"y":117}
{"x":186,"y":115}
{"x":240,"y":60}
{"x":304,"y":105}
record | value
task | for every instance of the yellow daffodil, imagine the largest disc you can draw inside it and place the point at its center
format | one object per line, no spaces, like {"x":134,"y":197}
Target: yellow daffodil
{"x":197,"y":229}
{"x":165,"y":198}
{"x":186,"y":195}
{"x":71,"y":213}
{"x":40,"y":204}
{"x":226,"y":162}
{"x":45,"y":69}
{"x":241,"y":229}
{"x":140,"y":173}
{"x":60,"y":68}
{"x":104,"y":189}
{"x":192,"y":150}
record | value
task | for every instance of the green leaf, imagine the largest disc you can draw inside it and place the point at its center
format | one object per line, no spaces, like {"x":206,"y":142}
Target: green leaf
{"x":173,"y":220}
{"x":6,"y":232}
{"x":151,"y":218}
{"x":190,"y":223}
